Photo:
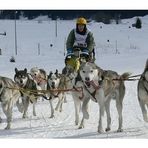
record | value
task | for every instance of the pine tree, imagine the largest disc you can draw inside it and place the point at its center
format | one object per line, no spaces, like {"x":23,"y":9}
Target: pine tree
{"x":138,"y":24}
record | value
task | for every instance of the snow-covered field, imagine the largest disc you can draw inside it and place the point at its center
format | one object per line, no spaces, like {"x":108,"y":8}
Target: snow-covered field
{"x":118,"y":47}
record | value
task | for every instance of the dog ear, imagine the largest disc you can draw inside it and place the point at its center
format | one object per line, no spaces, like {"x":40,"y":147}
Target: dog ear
{"x":1,"y":85}
{"x":56,"y":73}
{"x":49,"y":76}
{"x":64,"y":71}
{"x":101,"y":73}
{"x":146,"y":66}
{"x":25,"y":70}
{"x":16,"y":70}
{"x":82,"y":65}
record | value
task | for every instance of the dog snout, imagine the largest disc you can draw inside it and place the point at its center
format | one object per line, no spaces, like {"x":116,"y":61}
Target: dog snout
{"x":87,"y":79}
{"x":53,"y":83}
{"x":21,"y":81}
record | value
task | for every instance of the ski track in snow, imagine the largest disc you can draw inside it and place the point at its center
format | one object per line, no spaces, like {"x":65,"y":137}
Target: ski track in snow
{"x":62,"y":125}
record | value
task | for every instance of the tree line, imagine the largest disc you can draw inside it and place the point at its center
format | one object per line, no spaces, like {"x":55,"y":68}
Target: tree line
{"x":98,"y":15}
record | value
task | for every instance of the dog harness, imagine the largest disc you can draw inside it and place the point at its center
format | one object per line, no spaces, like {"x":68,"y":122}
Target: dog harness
{"x":92,"y":83}
{"x":96,"y":87}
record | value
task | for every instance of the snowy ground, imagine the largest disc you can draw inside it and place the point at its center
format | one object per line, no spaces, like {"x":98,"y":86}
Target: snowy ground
{"x":131,"y":47}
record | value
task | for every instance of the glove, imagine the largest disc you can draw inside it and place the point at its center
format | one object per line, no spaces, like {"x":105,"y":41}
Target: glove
{"x":69,"y":51}
{"x":85,"y":51}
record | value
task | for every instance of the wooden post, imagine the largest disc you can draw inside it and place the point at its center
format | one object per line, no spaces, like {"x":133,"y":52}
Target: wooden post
{"x":39,"y":51}
{"x":56,"y":27}
{"x":116,"y":47}
{"x":15,"y":32}
{"x":65,"y":46}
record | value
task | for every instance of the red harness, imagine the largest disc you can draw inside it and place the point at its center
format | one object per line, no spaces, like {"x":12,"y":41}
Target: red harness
{"x":96,"y":87}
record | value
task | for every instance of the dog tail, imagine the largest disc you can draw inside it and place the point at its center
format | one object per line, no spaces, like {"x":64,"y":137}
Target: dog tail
{"x":125,"y":75}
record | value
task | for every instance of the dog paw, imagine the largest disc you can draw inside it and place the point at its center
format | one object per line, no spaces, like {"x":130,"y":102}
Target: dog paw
{"x":107,"y":129}
{"x":76,"y":122}
{"x":81,"y":126}
{"x":25,"y":116}
{"x":52,"y":116}
{"x":100,"y":130}
{"x":7,"y":127}
{"x":120,"y":130}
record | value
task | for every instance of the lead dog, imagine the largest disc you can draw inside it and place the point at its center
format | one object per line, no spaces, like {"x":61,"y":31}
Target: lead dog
{"x":100,"y":86}
{"x":142,"y":91}
{"x":9,"y":95}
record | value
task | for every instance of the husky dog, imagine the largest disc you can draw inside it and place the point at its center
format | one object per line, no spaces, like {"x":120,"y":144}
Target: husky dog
{"x":54,"y":83}
{"x":40,"y":77}
{"x":24,"y":81}
{"x":68,"y":76}
{"x":100,"y":86}
{"x":9,"y":95}
{"x":142,"y":92}
{"x":73,"y":81}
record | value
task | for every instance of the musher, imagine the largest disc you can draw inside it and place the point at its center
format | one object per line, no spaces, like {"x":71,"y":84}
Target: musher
{"x":80,"y":45}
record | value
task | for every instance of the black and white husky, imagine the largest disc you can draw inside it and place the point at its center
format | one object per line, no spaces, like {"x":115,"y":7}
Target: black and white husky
{"x":27,"y":84}
{"x":142,"y":91}
{"x":54,"y":84}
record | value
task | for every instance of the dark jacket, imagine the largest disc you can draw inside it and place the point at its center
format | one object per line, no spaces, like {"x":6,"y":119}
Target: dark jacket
{"x":89,"y":40}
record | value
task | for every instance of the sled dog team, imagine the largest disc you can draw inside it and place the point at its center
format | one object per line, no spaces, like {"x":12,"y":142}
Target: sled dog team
{"x":89,"y":83}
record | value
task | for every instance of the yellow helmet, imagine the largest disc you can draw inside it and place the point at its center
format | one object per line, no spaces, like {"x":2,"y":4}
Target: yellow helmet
{"x":81,"y":21}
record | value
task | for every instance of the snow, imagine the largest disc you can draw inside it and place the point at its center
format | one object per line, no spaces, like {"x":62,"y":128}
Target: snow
{"x":125,"y":51}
